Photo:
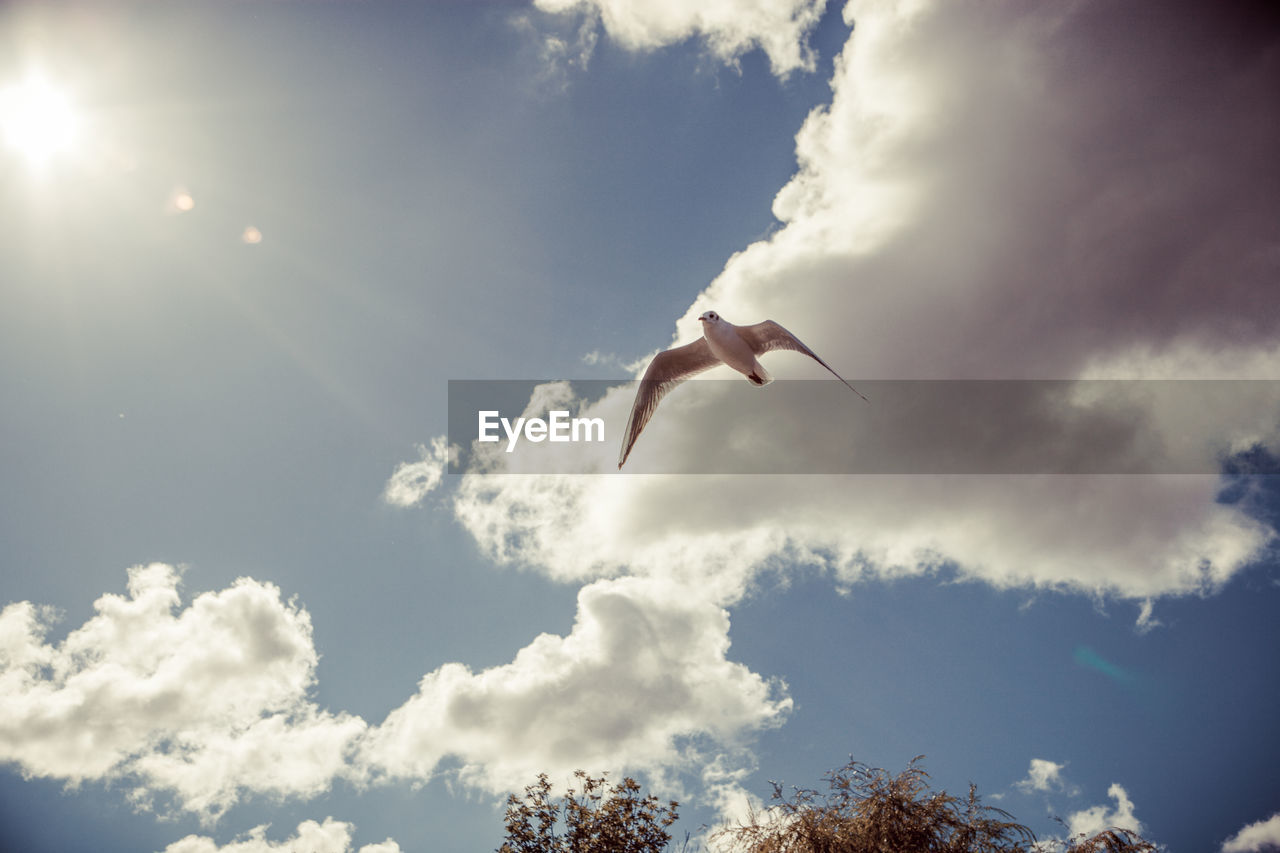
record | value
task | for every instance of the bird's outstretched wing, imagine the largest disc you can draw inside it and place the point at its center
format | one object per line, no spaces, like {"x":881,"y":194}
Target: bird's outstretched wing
{"x":766,"y":336}
{"x":667,"y":370}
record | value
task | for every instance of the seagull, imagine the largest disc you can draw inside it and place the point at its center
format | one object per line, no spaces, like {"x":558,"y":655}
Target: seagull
{"x":721,"y":343}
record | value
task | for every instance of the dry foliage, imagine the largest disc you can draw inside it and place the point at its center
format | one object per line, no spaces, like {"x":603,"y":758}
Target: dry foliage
{"x":601,"y":818}
{"x":1111,"y":841}
{"x":869,"y":810}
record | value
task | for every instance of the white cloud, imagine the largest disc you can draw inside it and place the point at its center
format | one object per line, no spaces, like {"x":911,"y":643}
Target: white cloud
{"x":1097,"y":819}
{"x":641,"y":683}
{"x":413,"y":481}
{"x":563,"y":45}
{"x":1045,"y":777}
{"x":1257,"y":837}
{"x":332,"y":836}
{"x":207,"y":703}
{"x":575,"y":53}
{"x":1146,"y":617}
{"x":955,"y":214}
{"x":199,"y":703}
{"x":730,"y":28}
{"x":595,"y":358}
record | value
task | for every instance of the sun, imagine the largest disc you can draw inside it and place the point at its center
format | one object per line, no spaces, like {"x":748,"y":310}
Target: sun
{"x":37,"y":121}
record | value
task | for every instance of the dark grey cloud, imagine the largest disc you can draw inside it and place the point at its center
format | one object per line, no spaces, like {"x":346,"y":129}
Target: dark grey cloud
{"x":1090,"y":179}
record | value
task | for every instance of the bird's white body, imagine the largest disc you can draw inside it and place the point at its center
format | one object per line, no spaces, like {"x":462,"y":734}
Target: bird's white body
{"x":728,"y":345}
{"x":721,"y":343}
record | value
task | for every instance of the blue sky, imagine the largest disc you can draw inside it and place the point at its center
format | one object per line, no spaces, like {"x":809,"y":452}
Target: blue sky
{"x":233,"y":298}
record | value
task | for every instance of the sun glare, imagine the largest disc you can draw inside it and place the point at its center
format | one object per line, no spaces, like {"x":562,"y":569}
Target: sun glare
{"x":37,"y":121}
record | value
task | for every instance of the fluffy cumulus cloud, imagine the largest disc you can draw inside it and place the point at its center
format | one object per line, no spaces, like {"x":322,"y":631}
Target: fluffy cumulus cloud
{"x":1097,"y":819}
{"x":200,"y":702}
{"x":641,"y":683}
{"x":1045,"y":777}
{"x":729,"y":28}
{"x":332,"y":836}
{"x":209,"y":702}
{"x":994,"y":192}
{"x":1256,"y":837}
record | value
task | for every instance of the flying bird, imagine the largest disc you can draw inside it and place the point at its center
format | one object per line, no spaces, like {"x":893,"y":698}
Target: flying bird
{"x":721,"y":343}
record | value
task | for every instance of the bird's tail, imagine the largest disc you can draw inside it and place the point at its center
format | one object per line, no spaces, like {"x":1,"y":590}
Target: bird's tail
{"x":759,"y":376}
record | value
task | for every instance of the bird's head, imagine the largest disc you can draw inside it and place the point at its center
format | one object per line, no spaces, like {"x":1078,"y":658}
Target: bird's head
{"x":709,"y":317}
